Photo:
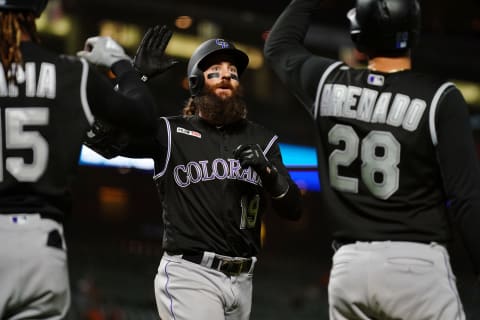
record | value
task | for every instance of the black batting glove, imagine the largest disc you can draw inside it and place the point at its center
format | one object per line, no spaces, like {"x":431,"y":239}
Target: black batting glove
{"x":149,"y":59}
{"x":251,"y":155}
{"x":106,"y":139}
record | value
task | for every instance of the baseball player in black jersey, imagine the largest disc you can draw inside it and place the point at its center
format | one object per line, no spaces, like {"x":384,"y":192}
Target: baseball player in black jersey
{"x":216,"y":172}
{"x":47,"y":104}
{"x":396,"y":150}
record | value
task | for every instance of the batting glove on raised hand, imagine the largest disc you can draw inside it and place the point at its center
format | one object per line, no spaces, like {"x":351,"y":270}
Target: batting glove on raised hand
{"x":149,"y":59}
{"x":251,"y":155}
{"x":102,"y":51}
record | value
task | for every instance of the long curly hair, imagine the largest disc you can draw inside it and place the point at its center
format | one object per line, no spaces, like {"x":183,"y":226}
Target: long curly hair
{"x":190,"y":108}
{"x":12,"y":25}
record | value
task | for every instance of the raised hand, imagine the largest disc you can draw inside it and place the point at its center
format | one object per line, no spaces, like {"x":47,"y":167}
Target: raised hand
{"x":149,"y":59}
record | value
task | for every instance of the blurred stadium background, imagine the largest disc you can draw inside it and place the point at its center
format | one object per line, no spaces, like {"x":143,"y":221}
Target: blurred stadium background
{"x":114,"y":233}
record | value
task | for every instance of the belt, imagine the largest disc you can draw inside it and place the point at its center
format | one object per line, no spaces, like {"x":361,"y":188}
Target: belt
{"x":228,"y":265}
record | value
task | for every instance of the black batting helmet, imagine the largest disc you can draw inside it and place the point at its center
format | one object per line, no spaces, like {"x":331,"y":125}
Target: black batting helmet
{"x":201,"y":56}
{"x":385,"y":27}
{"x":36,"y":6}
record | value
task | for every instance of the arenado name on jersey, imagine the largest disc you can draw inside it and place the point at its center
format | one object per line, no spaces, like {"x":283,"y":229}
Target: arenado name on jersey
{"x":45,"y":87}
{"x":367,"y":105}
{"x":220,"y":169}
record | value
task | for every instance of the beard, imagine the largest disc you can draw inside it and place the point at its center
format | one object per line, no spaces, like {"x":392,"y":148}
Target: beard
{"x":221,"y":110}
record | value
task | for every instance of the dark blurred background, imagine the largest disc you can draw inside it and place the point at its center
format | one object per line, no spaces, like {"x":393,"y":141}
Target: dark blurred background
{"x":114,"y":232}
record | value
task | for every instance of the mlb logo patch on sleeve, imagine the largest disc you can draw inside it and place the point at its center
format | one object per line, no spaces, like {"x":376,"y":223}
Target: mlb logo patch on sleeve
{"x":189,"y":132}
{"x":376,"y":80}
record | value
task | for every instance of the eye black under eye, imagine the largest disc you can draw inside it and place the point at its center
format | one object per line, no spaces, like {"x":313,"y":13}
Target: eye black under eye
{"x":213,"y":75}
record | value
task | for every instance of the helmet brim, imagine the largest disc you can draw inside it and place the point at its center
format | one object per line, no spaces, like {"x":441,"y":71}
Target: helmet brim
{"x":235,"y":56}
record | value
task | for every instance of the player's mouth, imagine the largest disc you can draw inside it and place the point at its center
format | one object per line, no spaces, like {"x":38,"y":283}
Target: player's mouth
{"x":224,"y":85}
{"x":224,"y":89}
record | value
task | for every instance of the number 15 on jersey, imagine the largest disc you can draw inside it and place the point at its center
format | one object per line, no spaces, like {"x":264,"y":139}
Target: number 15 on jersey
{"x":16,"y":137}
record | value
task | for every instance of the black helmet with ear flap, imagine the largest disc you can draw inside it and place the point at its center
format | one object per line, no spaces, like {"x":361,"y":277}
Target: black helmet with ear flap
{"x":385,"y":27}
{"x":36,"y":6}
{"x":205,"y":51}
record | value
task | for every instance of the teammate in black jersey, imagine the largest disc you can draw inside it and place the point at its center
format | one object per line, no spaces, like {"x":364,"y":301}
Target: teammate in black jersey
{"x":395,"y":151}
{"x":47,"y":104}
{"x":216,"y":172}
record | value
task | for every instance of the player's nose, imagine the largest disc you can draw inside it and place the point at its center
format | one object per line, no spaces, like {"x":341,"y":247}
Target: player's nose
{"x":225,"y":74}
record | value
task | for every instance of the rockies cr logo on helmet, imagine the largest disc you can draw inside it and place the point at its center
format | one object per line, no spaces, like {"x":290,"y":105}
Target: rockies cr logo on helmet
{"x":222,"y":43}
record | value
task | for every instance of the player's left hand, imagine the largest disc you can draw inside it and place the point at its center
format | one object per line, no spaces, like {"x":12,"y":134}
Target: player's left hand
{"x":149,"y":59}
{"x":251,"y":155}
{"x":103,"y":51}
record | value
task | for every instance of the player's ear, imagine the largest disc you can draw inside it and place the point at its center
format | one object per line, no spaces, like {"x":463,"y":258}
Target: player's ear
{"x":195,"y":82}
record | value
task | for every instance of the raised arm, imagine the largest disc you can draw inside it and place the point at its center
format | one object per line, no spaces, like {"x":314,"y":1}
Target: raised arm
{"x":111,"y":139}
{"x":460,"y":169}
{"x":135,"y":110}
{"x":286,"y":54}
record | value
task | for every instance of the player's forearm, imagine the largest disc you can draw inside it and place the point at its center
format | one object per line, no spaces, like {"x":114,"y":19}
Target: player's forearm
{"x":131,"y":113}
{"x":460,"y":169}
{"x":284,"y":48}
{"x":289,"y":205}
{"x":286,"y":54}
{"x":130,"y":85}
{"x":468,"y":225}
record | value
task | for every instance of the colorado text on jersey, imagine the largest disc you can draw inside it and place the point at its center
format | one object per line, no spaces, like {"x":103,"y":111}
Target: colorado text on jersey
{"x":221,"y":169}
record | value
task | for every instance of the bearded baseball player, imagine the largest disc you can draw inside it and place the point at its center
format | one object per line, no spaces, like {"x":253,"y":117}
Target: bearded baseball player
{"x":396,"y":148}
{"x":216,"y":172}
{"x":47,"y":104}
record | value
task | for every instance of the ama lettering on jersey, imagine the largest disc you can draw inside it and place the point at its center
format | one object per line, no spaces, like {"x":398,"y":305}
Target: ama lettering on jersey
{"x":43,"y":86}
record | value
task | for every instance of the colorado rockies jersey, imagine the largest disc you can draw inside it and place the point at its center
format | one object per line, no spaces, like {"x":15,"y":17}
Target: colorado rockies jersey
{"x":43,"y":120}
{"x":379,"y":137}
{"x":395,"y":149}
{"x":209,"y":202}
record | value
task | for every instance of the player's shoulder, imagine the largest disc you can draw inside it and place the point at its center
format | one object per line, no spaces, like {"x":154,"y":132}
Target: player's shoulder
{"x":255,"y":128}
{"x":423,"y":78}
{"x":441,"y":86}
{"x":174,"y":122}
{"x":36,"y":52}
{"x":67,"y":67}
{"x":177,"y":120}
{"x":72,"y":62}
{"x":66,"y":58}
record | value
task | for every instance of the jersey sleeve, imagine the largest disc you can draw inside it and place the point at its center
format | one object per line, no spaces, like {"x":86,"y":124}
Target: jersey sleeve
{"x":296,"y":67}
{"x":111,"y":142}
{"x":460,"y":169}
{"x":153,"y":146}
{"x":289,"y":205}
{"x":134,"y":110}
